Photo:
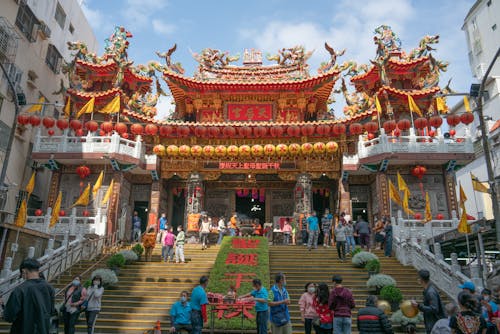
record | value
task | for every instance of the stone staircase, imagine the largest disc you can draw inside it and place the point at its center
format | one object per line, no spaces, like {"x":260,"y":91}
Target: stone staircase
{"x":144,"y":293}
{"x":302,"y":266}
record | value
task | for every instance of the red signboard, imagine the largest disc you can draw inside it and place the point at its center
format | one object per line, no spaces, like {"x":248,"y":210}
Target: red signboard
{"x":250,"y":112}
{"x":249,"y":165}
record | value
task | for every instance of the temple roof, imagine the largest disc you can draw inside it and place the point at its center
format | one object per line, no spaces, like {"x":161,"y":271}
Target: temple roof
{"x":100,"y":96}
{"x":108,"y":68}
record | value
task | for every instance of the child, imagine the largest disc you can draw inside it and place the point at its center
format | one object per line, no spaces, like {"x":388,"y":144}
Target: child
{"x":230,"y":297}
{"x":287,"y":231}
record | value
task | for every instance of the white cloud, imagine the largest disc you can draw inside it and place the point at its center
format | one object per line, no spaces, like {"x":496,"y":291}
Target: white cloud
{"x":163,"y":28}
{"x":138,"y":13}
{"x":164,"y":107}
{"x":94,"y":17}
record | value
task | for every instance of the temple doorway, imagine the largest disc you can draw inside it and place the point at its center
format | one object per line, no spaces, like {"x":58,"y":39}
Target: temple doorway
{"x":250,"y":206}
{"x":142,"y":211}
{"x":178,"y":207}
{"x":360,"y":209}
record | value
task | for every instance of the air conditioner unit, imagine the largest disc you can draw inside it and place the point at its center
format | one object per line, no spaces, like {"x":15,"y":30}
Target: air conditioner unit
{"x":44,"y":30}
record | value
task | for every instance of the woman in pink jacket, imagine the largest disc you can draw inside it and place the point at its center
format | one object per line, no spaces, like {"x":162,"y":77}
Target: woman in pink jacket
{"x":307,"y":307}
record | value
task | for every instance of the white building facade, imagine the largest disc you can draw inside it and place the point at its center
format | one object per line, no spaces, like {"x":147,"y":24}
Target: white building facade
{"x":33,"y":45}
{"x":482,"y":32}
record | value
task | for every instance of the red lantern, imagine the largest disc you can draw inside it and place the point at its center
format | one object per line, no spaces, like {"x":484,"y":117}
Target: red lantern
{"x":453,"y":120}
{"x":293,"y":131}
{"x":102,"y":133}
{"x":397,"y":132}
{"x":419,"y":171}
{"x":83,"y":171}
{"x":432,"y":133}
{"x":370,"y":136}
{"x":418,"y":216}
{"x":166,"y":130}
{"x":50,"y":132}
{"x":439,"y":216}
{"x":38,"y":212}
{"x":136,"y":129}
{"x":48,"y":122}
{"x":34,"y":120}
{"x":228,"y":132}
{"x":389,"y":126}
{"x":62,"y":124}
{"x":307,"y":130}
{"x":435,"y":121}
{"x":323,"y":130}
{"x":420,"y":123}
{"x":91,"y":126}
{"x":214,"y":131}
{"x":62,"y":213}
{"x":245,"y":131}
{"x":355,"y":129}
{"x":371,"y":127}
{"x":276,"y":131}
{"x":125,"y":135}
{"x":151,"y":129}
{"x":75,"y":124}
{"x":121,"y":128}
{"x":86,"y":213}
{"x":79,"y":133}
{"x":404,"y":124}
{"x":467,"y":118}
{"x":453,"y":132}
{"x":23,"y":119}
{"x":338,"y":129}
{"x":107,"y":127}
{"x":199,"y":131}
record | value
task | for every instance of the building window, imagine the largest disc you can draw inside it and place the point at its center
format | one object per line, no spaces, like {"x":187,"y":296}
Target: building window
{"x":60,"y":15}
{"x":71,"y":28}
{"x":53,"y":59}
{"x":494,"y":27}
{"x":26,"y":21}
{"x":4,"y":140}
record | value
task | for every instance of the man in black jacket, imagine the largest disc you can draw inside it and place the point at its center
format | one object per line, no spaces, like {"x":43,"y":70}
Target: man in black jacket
{"x":371,"y":319}
{"x":431,"y":307}
{"x":31,"y":304}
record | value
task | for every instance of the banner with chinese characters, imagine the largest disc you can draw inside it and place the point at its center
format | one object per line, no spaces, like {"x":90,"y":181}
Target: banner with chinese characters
{"x":249,"y":112}
{"x":210,"y":115}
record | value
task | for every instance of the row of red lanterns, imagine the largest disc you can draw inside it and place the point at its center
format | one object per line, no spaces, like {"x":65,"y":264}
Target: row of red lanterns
{"x":62,"y":213}
{"x":418,"y":216}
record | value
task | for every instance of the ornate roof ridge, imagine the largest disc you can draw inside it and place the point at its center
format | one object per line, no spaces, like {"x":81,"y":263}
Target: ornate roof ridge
{"x":393,"y":62}
{"x":96,"y":94}
{"x":412,"y":92}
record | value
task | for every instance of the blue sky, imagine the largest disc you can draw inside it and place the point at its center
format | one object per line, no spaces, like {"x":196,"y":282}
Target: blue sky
{"x":269,"y":25}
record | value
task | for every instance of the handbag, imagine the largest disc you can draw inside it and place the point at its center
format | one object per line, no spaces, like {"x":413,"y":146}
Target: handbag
{"x":316,"y":322}
{"x":85,"y":304}
{"x":279,"y":316}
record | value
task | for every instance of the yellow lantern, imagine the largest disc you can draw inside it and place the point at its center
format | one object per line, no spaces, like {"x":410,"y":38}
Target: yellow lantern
{"x":208,"y":151}
{"x":331,"y":147}
{"x":269,"y":150}
{"x":184,"y":150}
{"x":306,"y":148}
{"x":172,"y":150}
{"x":220,"y":151}
{"x":245,"y":150}
{"x":294,"y":149}
{"x":196,"y":150}
{"x":319,"y":147}
{"x":159,"y":150}
{"x":281,"y":149}
{"x":232,"y":151}
{"x":257,"y":150}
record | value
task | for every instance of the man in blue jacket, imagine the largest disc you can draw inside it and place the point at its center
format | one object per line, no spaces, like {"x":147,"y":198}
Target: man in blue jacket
{"x":278,"y":302}
{"x":180,"y":314}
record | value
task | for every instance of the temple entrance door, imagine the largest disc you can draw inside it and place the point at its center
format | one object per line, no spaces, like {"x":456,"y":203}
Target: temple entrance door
{"x":142,"y":211}
{"x":248,"y":207}
{"x":320,"y":203}
{"x":360,"y":209}
{"x":178,"y":209}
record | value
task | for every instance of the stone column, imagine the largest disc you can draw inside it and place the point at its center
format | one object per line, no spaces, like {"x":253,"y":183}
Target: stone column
{"x":195,"y":195}
{"x":53,"y":187}
{"x":345,"y":198}
{"x":451,"y":196}
{"x":382,"y":186}
{"x":154,"y":201}
{"x":303,"y":194}
{"x":113,"y":203}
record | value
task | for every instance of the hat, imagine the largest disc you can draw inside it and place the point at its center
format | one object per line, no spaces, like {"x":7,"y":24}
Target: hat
{"x":468,"y":285}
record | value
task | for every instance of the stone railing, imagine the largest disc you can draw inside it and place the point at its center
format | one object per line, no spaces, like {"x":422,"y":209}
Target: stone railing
{"x":73,"y":224}
{"x":415,"y":229}
{"x":412,"y":144}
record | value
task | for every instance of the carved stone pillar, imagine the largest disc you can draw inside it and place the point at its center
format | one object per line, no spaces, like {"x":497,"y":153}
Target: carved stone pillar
{"x":451,"y":195}
{"x":303,"y":194}
{"x":195,"y":194}
{"x":113,"y":204}
{"x":345,"y":198}
{"x":55,"y":179}
{"x":382,"y":187}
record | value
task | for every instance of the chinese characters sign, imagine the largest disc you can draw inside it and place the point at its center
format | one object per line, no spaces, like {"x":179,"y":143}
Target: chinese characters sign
{"x":249,"y":165}
{"x":249,"y":112}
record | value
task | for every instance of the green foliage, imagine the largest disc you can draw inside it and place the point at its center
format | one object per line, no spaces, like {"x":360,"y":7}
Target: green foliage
{"x":391,"y":294}
{"x":87,"y":283}
{"x":362,"y":258}
{"x":138,"y":249}
{"x":356,"y":250}
{"x":116,"y":261}
{"x":219,"y":283}
{"x":379,"y":281}
{"x":373,"y":265}
{"x":399,"y":318}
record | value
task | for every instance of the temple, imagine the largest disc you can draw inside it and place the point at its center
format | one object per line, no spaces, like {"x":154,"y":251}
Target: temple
{"x":258,"y":138}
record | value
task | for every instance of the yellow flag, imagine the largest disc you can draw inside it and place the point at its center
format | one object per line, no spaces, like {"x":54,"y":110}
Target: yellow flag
{"x":413,"y":106}
{"x":394,"y":194}
{"x":405,"y":206}
{"x":402,"y":186}
{"x":441,"y":105}
{"x":88,"y":108}
{"x":55,"y":210}
{"x":466,"y":104}
{"x":106,"y":197}
{"x":112,"y":107}
{"x":463,"y":227}
{"x":378,"y":106}
{"x":97,"y":184}
{"x":428,"y":212}
{"x":84,"y":198}
{"x":21,"y":214}
{"x":38,"y":106}
{"x":477,"y":185}
{"x":31,"y":184}
{"x":67,"y":107}
{"x":463,"y":197}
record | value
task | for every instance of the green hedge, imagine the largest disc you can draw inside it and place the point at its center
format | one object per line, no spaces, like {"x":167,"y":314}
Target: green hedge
{"x":218,"y":284}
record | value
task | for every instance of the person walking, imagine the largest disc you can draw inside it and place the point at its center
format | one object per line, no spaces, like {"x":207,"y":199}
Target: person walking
{"x":179,"y":245}
{"x":204,"y":232}
{"x":74,"y":296}
{"x":221,"y":228}
{"x":467,"y":321}
{"x":233,"y":224}
{"x":363,"y":231}
{"x":312,"y":231}
{"x":326,"y":227}
{"x":303,"y":230}
{"x":136,"y":227}
{"x":307,"y":307}
{"x":325,"y":315}
{"x":199,"y":303}
{"x":340,"y":239}
{"x":94,"y":292}
{"x":388,"y":238}
{"x":167,"y":249}
{"x":162,"y":228}
{"x":149,"y":242}
{"x":180,"y":315}
{"x":260,"y":296}
{"x":341,"y":302}
{"x":431,"y":306}
{"x":31,"y":304}
{"x":287,"y":232}
{"x":278,"y":302}
{"x":371,"y":319}
{"x":442,"y":326}
{"x":489,"y":309}
{"x":379,"y":234}
{"x":350,"y":243}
